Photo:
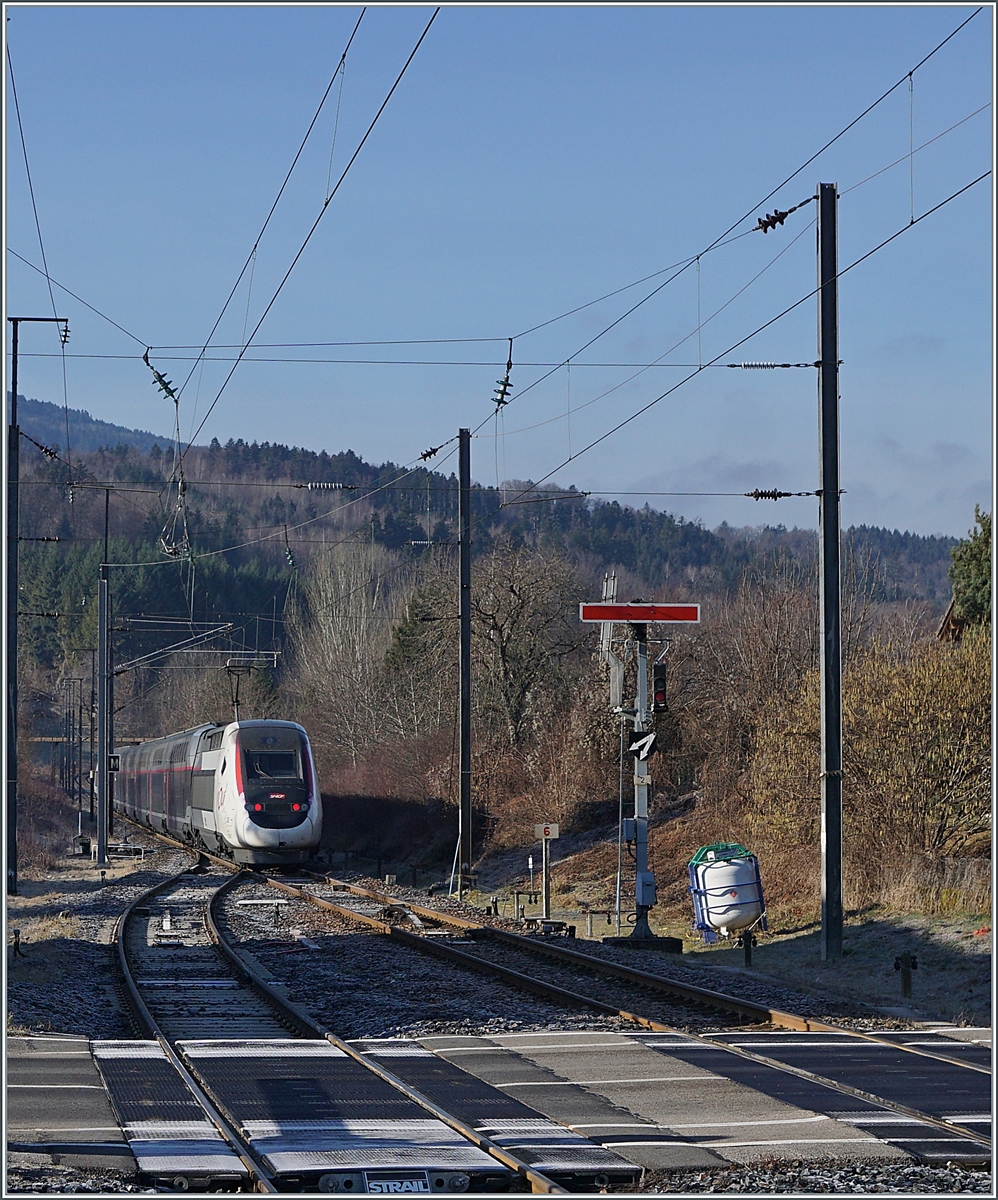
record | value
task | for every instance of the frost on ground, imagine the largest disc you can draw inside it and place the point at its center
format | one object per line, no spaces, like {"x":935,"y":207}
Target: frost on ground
{"x":61,"y":977}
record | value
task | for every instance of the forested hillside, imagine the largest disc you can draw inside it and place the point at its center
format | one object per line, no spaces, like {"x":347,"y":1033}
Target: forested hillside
{"x":348,"y":571}
{"x":76,"y":430}
{"x":227,"y":534}
{"x":231,"y":526}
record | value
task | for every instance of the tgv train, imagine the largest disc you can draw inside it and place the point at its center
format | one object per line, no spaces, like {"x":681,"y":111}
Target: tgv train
{"x":247,"y":790}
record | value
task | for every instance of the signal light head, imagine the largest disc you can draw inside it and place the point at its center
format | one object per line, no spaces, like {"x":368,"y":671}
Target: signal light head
{"x":659,"y":694}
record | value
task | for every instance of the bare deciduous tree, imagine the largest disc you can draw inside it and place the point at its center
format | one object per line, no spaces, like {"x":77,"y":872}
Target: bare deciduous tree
{"x":339,"y":631}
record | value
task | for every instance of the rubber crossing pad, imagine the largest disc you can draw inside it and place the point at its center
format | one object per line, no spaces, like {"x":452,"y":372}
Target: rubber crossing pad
{"x":320,"y":1118}
{"x":640,"y":1141}
{"x":924,"y":1141}
{"x":166,"y":1128}
{"x":551,"y":1148}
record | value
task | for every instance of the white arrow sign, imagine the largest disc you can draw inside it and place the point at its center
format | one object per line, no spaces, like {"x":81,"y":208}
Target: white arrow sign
{"x":642,"y":745}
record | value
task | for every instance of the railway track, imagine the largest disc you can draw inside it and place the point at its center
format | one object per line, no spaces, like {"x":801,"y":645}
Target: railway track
{"x":234,"y":1087}
{"x":937,"y":1104}
{"x":943,"y":1067}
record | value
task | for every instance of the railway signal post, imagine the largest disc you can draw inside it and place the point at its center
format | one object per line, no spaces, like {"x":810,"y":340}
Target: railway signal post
{"x":642,"y":742}
{"x":544,"y":833}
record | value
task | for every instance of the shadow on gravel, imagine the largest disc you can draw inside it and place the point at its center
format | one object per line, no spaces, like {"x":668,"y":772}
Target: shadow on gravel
{"x":952,"y":980}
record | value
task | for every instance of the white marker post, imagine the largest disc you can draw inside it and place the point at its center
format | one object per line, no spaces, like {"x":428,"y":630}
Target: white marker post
{"x":544,"y":833}
{"x":642,"y":745}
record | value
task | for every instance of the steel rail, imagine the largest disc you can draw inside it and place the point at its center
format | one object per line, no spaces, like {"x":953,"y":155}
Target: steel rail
{"x":777,"y":1017}
{"x":257,"y":1171}
{"x":454,"y":955}
{"x":703,"y":995}
{"x":539,"y":1182}
{"x":537,"y":985}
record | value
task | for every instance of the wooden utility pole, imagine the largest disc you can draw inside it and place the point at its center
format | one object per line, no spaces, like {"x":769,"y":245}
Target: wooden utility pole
{"x":464,"y":521}
{"x":830,"y":571}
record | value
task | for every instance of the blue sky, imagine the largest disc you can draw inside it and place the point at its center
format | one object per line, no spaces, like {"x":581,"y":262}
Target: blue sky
{"x":531,"y":160}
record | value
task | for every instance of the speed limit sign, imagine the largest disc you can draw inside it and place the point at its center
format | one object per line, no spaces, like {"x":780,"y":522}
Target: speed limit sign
{"x":550,"y":830}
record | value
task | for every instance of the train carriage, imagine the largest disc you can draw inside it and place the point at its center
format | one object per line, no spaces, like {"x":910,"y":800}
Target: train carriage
{"x":247,"y":790}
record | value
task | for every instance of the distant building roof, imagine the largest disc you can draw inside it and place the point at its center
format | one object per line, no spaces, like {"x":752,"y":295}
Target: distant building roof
{"x":951,"y":627}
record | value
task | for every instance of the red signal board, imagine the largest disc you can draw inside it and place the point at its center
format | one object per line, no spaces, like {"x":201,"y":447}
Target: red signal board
{"x":640,"y":613}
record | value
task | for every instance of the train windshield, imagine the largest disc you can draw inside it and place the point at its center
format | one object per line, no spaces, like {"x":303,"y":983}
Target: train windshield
{"x":272,"y":764}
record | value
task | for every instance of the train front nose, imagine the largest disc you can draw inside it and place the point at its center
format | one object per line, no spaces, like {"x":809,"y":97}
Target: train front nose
{"x":276,"y":786}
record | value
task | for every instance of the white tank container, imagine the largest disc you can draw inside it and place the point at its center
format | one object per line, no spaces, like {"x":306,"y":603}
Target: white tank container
{"x":732,"y":896}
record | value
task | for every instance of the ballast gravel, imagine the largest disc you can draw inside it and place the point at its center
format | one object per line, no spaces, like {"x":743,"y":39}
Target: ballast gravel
{"x":69,"y":1180}
{"x":360,"y":985}
{"x":799,"y":1178}
{"x":822,"y":1006}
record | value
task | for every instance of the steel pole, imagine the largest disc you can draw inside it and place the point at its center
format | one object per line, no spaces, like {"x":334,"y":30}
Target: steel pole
{"x":13,"y":482}
{"x":111,"y":780}
{"x":830,"y":575}
{"x":79,"y":755}
{"x":103,"y":749}
{"x":10,"y":644}
{"x":464,"y":521}
{"x":91,"y":749}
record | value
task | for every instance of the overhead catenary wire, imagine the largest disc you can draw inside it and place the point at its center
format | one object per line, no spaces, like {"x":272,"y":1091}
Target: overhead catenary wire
{"x":63,"y":330}
{"x":315,"y":225}
{"x":633,"y":309}
{"x":905,"y":157}
{"x":923,"y":215}
{"x":627,"y":420}
{"x":62,"y":288}
{"x":251,"y":257}
{"x":381,"y":362}
{"x":700,"y":366}
{"x":731,"y":228}
{"x":790,"y":308}
{"x":276,"y":530}
{"x":144,"y":342}
{"x":620,"y":425}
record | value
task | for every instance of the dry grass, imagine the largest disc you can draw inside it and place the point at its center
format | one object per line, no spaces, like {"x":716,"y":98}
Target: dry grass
{"x":952,"y":981}
{"x":47,"y":821}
